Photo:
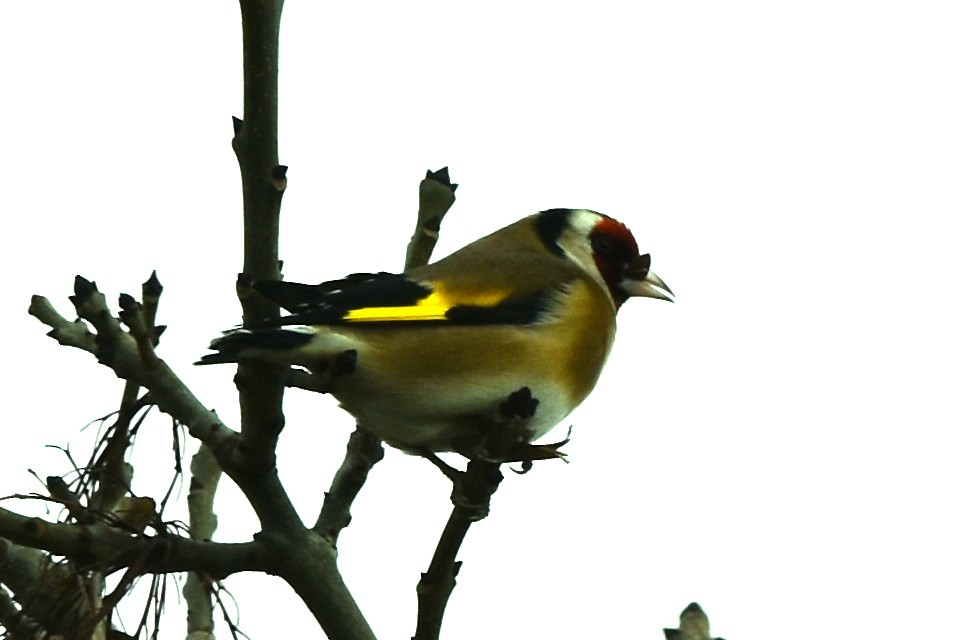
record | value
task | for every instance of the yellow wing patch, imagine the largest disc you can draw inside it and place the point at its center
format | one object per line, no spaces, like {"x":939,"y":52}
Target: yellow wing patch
{"x":432,"y":307}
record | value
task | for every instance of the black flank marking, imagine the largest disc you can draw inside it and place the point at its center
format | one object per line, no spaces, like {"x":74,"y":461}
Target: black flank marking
{"x":520,"y":404}
{"x":345,"y":362}
{"x":526,"y":310}
{"x":262,"y":339}
{"x":550,"y":225}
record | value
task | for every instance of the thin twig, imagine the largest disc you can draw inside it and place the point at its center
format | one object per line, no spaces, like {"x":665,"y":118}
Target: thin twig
{"x":112,"y":474}
{"x":436,"y":198}
{"x":363,"y":451}
{"x":113,"y":347}
{"x":108,"y":548}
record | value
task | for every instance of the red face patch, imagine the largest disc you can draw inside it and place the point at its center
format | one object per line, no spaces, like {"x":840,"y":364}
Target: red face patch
{"x":618,"y":233}
{"x":614,"y":247}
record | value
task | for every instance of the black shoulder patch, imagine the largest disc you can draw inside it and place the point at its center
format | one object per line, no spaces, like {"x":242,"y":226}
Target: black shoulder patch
{"x":289,"y":295}
{"x":521,"y":311}
{"x":550,"y":225}
{"x":277,"y":339}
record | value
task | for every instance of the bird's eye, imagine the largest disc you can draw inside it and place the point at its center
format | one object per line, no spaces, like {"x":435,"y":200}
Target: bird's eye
{"x":606,"y":246}
{"x":602,"y":244}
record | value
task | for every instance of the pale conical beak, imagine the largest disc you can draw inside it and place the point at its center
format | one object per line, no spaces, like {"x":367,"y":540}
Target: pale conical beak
{"x":638,"y":280}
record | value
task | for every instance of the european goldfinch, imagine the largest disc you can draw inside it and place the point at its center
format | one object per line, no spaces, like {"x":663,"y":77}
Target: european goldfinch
{"x":424,"y":360}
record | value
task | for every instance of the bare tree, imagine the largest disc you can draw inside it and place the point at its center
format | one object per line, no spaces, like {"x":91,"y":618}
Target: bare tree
{"x":108,"y":531}
{"x":55,"y":574}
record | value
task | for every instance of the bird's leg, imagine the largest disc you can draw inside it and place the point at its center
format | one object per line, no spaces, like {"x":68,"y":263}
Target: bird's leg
{"x":448,"y":470}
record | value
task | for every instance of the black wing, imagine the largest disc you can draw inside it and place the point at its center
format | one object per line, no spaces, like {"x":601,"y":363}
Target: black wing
{"x":387,"y":298}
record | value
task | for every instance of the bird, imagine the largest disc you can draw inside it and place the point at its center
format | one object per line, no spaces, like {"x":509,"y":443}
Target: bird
{"x":517,"y":323}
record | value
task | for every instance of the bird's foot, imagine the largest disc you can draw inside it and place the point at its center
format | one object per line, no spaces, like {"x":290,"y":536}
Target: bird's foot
{"x":526,"y":453}
{"x":452,"y":473}
{"x":508,"y":440}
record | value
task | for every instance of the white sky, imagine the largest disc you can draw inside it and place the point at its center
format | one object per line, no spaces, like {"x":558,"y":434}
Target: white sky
{"x":780,"y":445}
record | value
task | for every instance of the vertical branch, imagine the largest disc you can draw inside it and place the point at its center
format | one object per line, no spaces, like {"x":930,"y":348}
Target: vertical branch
{"x":114,"y":476}
{"x":255,"y":145}
{"x":255,"y":142}
{"x":437,"y":195}
{"x":305,"y":560}
{"x":198,"y":592}
{"x":264,"y":181}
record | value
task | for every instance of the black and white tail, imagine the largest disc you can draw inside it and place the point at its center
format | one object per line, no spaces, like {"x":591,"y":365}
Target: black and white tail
{"x":246,"y":344}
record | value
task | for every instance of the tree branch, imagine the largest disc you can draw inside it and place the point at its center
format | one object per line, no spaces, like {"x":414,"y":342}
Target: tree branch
{"x":112,"y":472}
{"x":119,"y":351}
{"x":122,"y":352}
{"x":99,"y":546}
{"x":363,"y":451}
{"x":472,"y":490}
{"x":314,"y":577}
{"x":264,"y":181}
{"x":198,"y":593}
{"x":51,"y":595}
{"x":309,"y":565}
{"x":285,"y":547}
{"x":17,"y":625}
{"x":471,"y":502}
{"x":308,"y":562}
{"x":694,"y":625}
{"x":20,"y":567}
{"x":436,"y":198}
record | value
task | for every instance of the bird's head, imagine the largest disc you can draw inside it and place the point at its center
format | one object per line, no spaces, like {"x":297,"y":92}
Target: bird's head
{"x":605,"y":248}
